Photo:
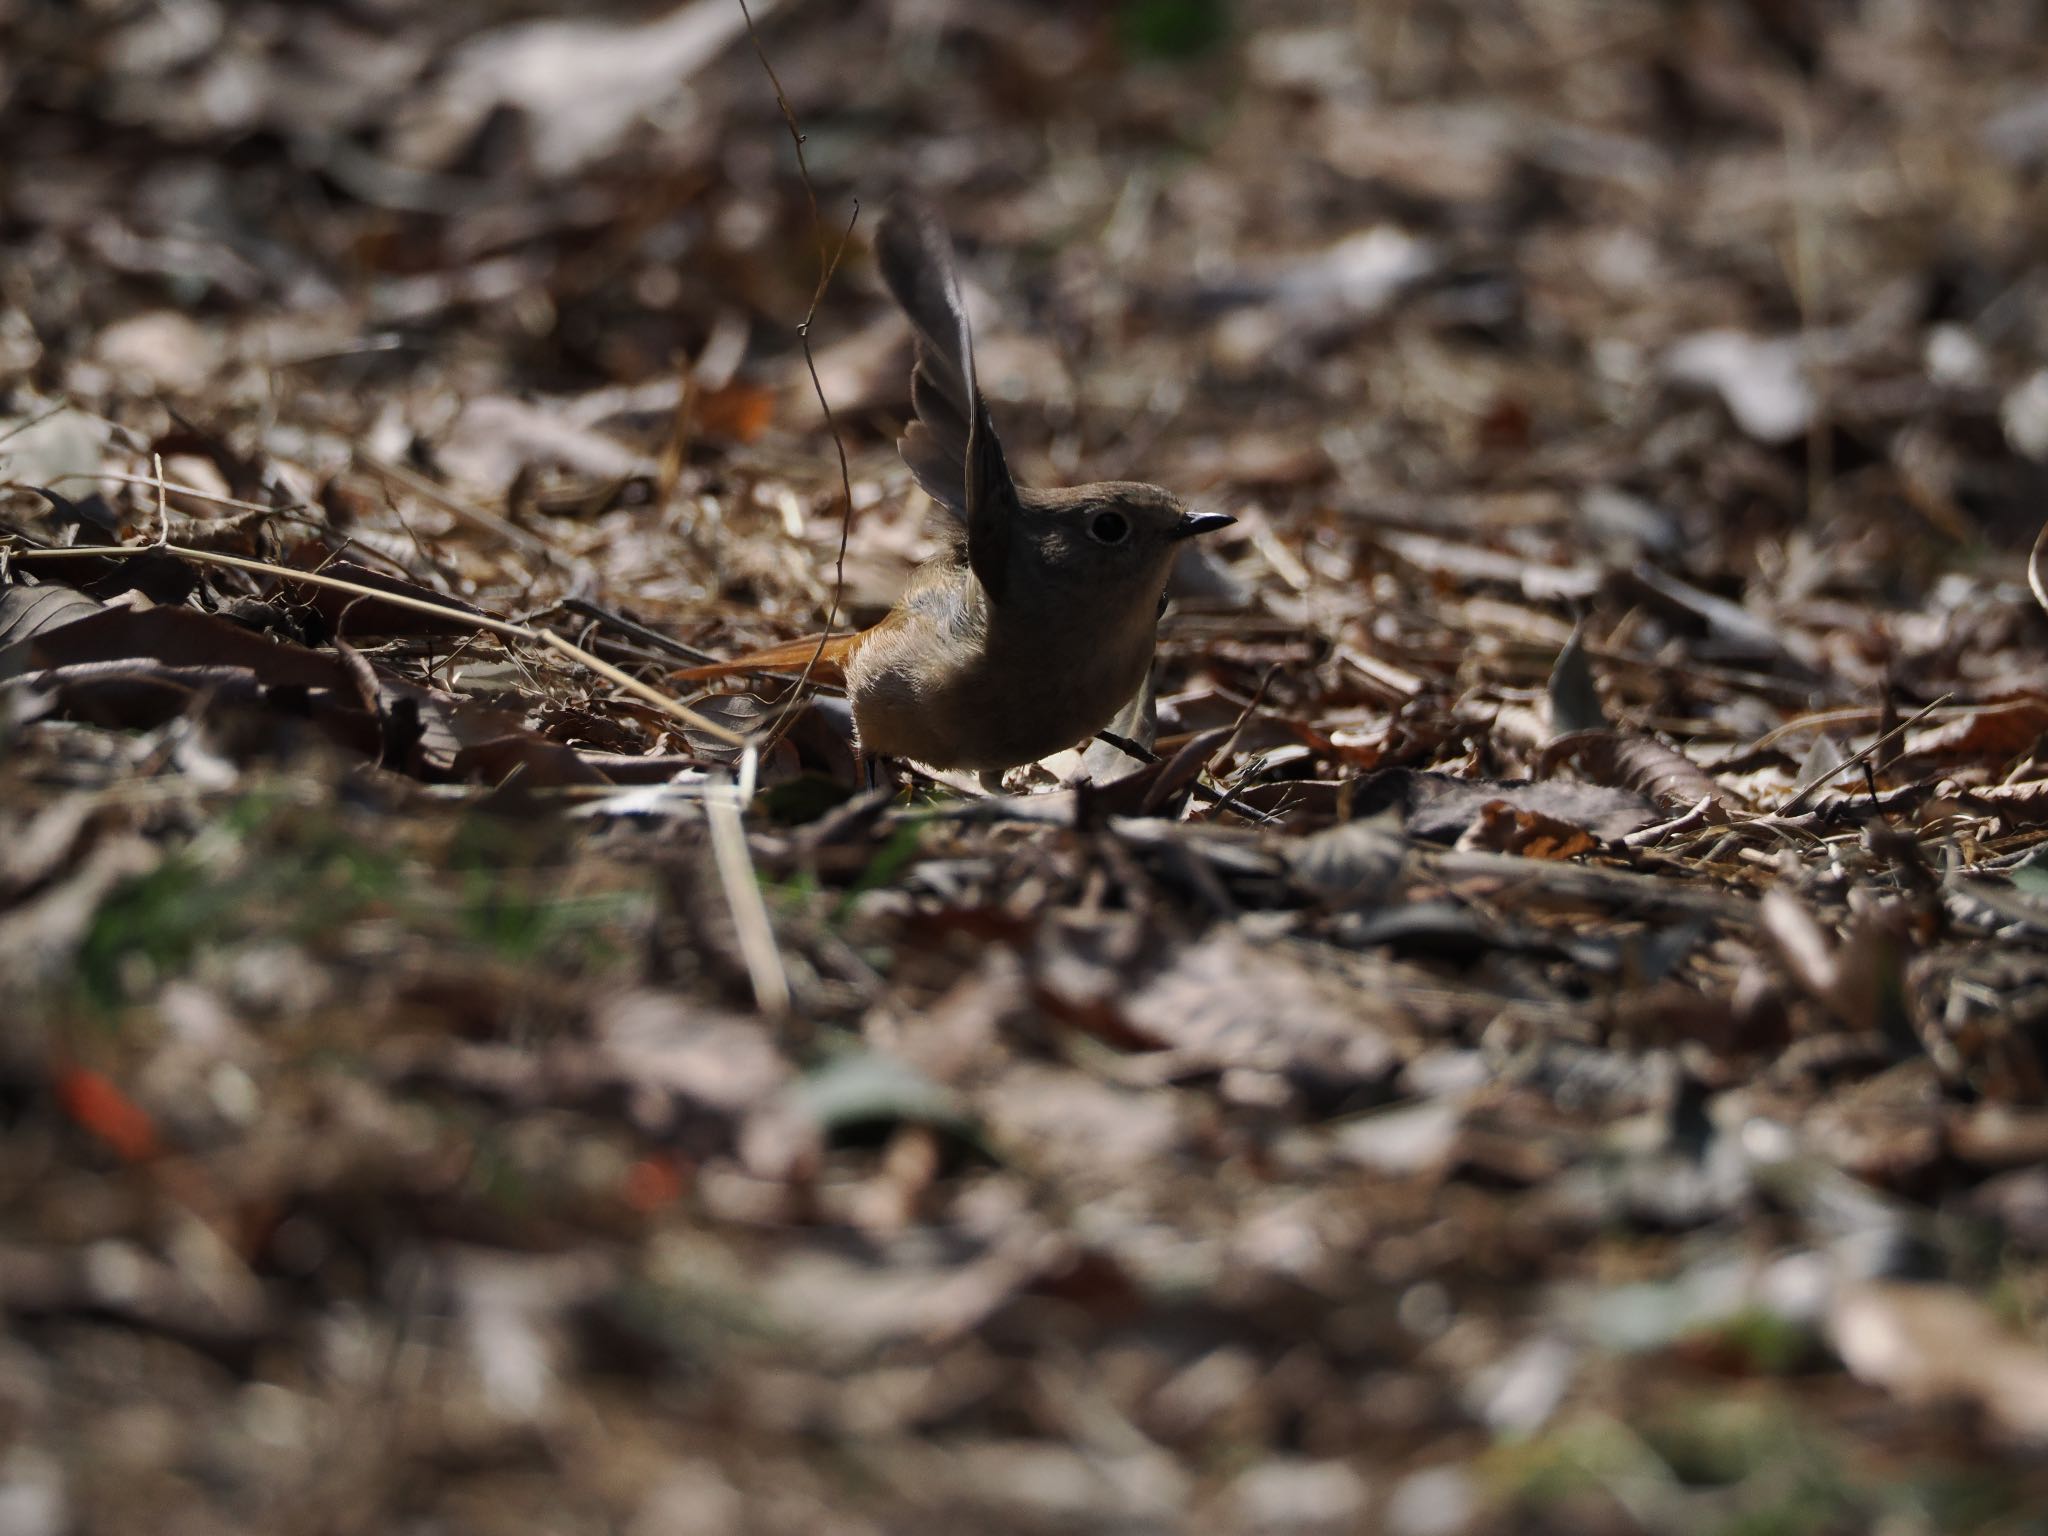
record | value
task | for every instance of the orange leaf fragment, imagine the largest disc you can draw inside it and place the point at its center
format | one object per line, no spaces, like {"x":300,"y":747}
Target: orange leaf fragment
{"x":652,"y":1183}
{"x":98,"y":1107}
{"x":1501,"y":828}
{"x":737,"y":411}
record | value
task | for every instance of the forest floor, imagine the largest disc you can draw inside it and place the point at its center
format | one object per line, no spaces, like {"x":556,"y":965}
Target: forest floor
{"x":1558,"y":1042}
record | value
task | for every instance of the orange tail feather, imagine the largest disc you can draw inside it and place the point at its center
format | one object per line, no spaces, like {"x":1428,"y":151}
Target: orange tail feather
{"x":790,"y":656}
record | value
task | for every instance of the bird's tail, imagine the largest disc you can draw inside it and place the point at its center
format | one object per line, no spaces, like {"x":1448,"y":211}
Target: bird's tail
{"x":831,"y":654}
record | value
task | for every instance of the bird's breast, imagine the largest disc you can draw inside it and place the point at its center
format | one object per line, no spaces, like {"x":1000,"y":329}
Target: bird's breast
{"x":1015,"y":693}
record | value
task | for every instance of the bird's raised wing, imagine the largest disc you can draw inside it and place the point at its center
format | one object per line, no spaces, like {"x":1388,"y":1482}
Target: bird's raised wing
{"x":951,"y":447}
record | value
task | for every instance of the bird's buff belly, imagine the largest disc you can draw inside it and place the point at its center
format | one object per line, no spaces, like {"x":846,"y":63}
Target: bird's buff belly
{"x":972,"y":720}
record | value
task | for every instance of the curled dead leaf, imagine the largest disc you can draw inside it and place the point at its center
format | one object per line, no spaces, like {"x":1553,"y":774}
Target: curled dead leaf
{"x":1995,"y":731}
{"x":1639,"y":763}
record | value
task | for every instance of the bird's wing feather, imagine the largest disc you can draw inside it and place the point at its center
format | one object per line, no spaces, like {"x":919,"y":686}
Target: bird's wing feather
{"x":951,"y":447}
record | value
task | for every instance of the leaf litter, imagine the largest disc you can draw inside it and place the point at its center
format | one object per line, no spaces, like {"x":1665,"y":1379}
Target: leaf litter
{"x":1555,"y":1041}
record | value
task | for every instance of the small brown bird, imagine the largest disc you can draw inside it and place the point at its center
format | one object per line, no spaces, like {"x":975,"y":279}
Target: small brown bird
{"x":1035,"y":623}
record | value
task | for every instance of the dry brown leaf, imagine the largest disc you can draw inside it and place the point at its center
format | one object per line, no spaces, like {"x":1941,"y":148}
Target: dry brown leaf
{"x":1937,"y":1344}
{"x":2024,"y":804}
{"x":584,"y":82}
{"x":1228,"y":1003}
{"x":1441,"y":808}
{"x":1996,"y":732}
{"x":355,"y":617}
{"x":179,"y":638}
{"x":28,"y":611}
{"x":1529,"y":834}
{"x":1859,"y":977}
{"x":495,"y":438}
{"x":436,"y":736}
{"x":1640,"y":763}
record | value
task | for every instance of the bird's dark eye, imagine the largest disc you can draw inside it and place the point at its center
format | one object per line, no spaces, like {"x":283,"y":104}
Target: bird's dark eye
{"x":1109,"y":528}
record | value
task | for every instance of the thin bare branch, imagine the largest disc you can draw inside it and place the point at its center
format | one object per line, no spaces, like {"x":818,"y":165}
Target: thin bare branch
{"x":829,"y":258}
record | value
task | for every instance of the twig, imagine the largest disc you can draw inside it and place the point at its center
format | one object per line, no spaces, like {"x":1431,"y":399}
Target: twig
{"x":1237,"y":730}
{"x":828,"y":263}
{"x":638,"y":689}
{"x":162,"y":485}
{"x":420,"y":486}
{"x":743,"y":892}
{"x":163,"y":506}
{"x":1799,"y":795}
{"x":502,"y":627}
{"x":292,"y":512}
{"x":1650,"y":836}
{"x":1128,"y":747}
{"x":605,"y":618}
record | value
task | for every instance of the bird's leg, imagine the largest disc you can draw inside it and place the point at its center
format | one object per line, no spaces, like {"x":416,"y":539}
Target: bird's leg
{"x":873,"y":770}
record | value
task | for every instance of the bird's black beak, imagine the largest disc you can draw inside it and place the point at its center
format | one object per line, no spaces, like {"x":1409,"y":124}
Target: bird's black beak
{"x":1192,"y":523}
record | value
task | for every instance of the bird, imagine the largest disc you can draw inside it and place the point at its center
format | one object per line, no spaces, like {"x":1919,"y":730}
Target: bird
{"x":1035,"y":621}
